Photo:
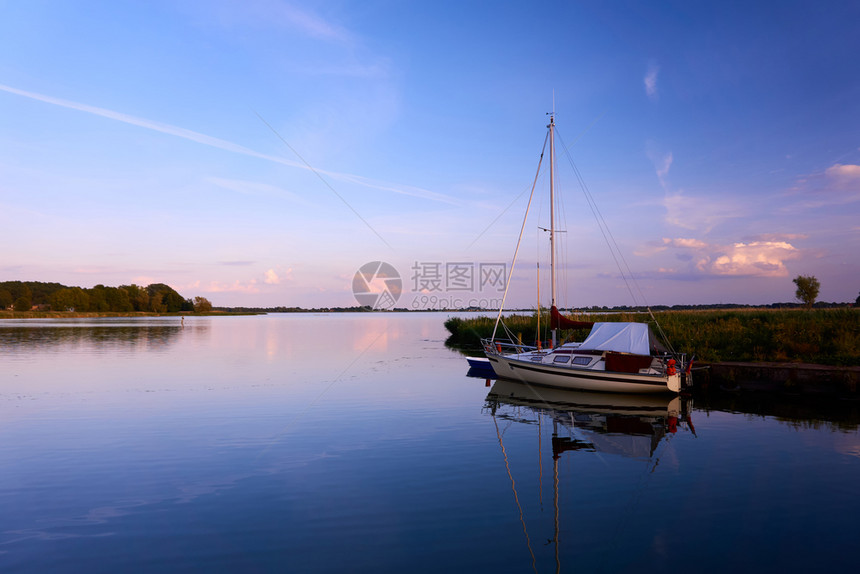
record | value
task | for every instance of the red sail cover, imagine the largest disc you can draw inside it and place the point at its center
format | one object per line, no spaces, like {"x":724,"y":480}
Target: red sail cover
{"x":558,"y":321}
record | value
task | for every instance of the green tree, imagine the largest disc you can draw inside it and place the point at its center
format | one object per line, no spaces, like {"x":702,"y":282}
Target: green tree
{"x":6,"y":299}
{"x":70,"y":298}
{"x":807,"y":289}
{"x":24,"y":299}
{"x":138,"y":296}
{"x":857,"y":302}
{"x":202,"y":305}
{"x":40,"y":292}
{"x":156,"y":303}
{"x":166,"y":297}
{"x":174,"y":301}
{"x":98,"y":298}
{"x":118,"y":300}
{"x":23,"y":303}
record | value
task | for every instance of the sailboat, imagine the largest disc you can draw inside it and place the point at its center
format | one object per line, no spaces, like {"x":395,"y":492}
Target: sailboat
{"x":623,"y":357}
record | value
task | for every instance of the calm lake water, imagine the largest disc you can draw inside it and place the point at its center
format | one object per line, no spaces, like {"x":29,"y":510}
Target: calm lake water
{"x":356,"y":443}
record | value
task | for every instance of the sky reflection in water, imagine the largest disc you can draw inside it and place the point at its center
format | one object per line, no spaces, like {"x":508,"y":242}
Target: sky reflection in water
{"x":355,"y":442}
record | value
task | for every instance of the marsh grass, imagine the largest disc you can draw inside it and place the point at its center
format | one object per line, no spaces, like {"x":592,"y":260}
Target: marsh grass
{"x":823,"y":336}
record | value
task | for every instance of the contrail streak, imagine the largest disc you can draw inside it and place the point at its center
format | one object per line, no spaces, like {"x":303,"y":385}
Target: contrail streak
{"x":149,"y":124}
{"x":224,"y":144}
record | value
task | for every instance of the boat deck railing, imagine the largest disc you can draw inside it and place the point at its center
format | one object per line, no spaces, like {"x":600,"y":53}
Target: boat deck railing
{"x":506,"y":347}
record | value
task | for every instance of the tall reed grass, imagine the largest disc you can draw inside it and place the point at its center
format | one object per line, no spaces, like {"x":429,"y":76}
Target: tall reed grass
{"x":823,"y":336}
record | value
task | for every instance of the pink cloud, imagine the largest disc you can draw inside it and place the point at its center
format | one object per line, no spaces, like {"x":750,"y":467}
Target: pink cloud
{"x":685,"y":243}
{"x":760,"y":258}
{"x":235,"y":287}
{"x":843,"y":172}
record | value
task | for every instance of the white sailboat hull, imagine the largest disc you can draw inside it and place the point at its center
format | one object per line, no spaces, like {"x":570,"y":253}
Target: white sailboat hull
{"x":571,"y":377}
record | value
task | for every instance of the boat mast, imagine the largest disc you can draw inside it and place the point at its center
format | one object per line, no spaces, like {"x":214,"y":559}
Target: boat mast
{"x":538,"y":306}
{"x":551,"y":127}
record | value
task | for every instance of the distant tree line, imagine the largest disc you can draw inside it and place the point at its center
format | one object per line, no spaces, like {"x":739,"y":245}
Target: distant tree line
{"x":620,"y":308}
{"x":154,"y":298}
{"x":282,"y":309}
{"x":722,"y":306}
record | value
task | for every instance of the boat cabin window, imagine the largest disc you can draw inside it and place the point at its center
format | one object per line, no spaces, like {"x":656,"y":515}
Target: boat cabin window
{"x":581,"y":360}
{"x":561,"y":359}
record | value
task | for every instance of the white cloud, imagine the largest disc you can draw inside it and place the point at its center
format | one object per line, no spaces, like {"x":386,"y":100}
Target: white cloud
{"x":662,"y":161}
{"x":837,"y":185}
{"x":353,"y":58}
{"x":312,"y":25}
{"x":654,"y":248}
{"x":651,"y":81}
{"x":274,"y":14}
{"x":756,"y":259}
{"x":272,"y":277}
{"x":698,"y":213}
{"x":776,"y":237}
{"x":664,"y":165}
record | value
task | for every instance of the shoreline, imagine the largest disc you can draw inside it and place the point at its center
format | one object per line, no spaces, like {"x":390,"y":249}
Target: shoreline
{"x":104,"y":314}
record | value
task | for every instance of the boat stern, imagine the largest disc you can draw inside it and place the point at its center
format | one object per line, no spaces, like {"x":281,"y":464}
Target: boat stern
{"x":673,"y":382}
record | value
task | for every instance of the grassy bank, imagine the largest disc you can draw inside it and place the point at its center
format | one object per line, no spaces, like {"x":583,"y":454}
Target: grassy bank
{"x":823,"y":336}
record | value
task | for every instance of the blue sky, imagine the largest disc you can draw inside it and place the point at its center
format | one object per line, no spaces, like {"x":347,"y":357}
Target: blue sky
{"x":170,"y":142}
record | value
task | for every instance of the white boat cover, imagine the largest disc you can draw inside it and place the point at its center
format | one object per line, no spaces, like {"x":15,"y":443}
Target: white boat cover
{"x":619,"y":337}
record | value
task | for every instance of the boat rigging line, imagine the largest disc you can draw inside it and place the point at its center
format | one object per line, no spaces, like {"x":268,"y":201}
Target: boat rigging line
{"x":614,"y":249}
{"x":519,"y":239}
{"x":322,"y":179}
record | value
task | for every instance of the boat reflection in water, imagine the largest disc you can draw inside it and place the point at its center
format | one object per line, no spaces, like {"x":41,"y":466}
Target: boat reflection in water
{"x":624,"y":424}
{"x":627,"y":425}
